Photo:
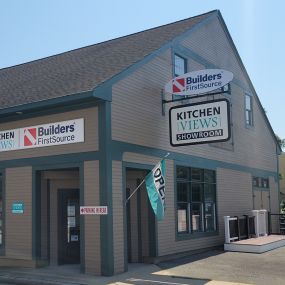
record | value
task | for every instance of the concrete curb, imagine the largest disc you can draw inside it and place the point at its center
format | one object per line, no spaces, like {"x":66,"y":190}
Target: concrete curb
{"x":32,"y":281}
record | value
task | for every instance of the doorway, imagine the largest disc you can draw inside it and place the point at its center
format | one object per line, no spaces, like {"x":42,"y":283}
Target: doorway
{"x":141,"y":224}
{"x":68,"y":226}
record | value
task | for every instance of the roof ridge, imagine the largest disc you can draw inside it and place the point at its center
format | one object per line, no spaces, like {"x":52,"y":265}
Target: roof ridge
{"x":110,"y":40}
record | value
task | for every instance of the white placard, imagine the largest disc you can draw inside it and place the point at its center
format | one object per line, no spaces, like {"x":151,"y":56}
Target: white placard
{"x":59,"y":133}
{"x":94,"y":210}
{"x":198,"y":82}
{"x":199,"y":123}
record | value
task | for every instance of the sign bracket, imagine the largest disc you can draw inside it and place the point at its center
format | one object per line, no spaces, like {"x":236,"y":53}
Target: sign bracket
{"x":224,"y":90}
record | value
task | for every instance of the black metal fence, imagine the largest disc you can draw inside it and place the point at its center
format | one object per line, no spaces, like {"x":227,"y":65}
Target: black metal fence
{"x":276,"y":224}
{"x":242,"y":227}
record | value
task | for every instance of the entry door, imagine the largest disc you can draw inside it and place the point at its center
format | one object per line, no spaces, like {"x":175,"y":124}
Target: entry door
{"x":68,"y":226}
{"x":141,"y":234}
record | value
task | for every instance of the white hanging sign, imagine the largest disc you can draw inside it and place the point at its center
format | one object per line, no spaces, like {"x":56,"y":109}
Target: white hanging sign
{"x":199,"y":123}
{"x":198,"y":82}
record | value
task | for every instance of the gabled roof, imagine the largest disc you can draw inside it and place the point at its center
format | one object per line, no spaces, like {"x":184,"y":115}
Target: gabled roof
{"x":86,"y":68}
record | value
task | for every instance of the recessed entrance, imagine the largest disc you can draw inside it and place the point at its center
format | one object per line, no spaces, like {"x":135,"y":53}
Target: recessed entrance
{"x":141,"y":225}
{"x":68,"y":226}
{"x":59,"y":222}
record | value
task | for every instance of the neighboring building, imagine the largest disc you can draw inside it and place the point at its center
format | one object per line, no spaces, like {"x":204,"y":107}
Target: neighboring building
{"x":84,"y":128}
{"x":282,"y":177}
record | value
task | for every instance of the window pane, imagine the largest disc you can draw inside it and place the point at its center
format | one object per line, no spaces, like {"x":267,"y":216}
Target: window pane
{"x":255,"y":181}
{"x":182,"y":215}
{"x":197,"y":192}
{"x":196,"y":217}
{"x":197,"y":174}
{"x":210,"y":192}
{"x":247,"y":102}
{"x":210,"y":223}
{"x":179,"y":65}
{"x":265,"y":183}
{"x":182,"y":172}
{"x":209,"y":176}
{"x":182,"y":192}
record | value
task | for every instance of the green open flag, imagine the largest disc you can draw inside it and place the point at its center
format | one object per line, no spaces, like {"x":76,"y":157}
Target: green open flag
{"x":155,"y":185}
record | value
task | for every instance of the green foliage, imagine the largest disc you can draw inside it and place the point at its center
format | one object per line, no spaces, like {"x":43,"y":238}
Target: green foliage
{"x":281,"y":142}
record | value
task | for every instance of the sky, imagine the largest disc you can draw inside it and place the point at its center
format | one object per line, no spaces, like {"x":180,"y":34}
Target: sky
{"x":33,"y":29}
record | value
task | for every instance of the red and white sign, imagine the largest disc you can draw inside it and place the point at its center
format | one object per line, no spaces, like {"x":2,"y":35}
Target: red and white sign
{"x":30,"y":137}
{"x":198,"y":82}
{"x":58,"y":133}
{"x":94,"y":210}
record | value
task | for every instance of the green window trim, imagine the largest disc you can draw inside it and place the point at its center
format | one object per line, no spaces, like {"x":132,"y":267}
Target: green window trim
{"x":195,"y":201}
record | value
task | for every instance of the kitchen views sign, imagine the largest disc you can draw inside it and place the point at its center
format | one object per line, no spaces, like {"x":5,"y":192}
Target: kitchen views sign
{"x":58,"y":133}
{"x":198,"y":82}
{"x":198,"y":123}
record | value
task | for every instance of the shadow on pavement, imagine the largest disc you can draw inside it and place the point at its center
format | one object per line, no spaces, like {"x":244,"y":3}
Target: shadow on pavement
{"x":188,"y":259}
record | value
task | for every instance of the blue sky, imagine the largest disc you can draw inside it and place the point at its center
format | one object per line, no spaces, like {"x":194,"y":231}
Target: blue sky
{"x":32,"y":29}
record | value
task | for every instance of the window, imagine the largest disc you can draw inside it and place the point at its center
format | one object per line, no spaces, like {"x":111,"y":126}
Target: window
{"x":260,"y":182}
{"x":248,"y":110}
{"x":179,"y":65}
{"x":196,"y":200}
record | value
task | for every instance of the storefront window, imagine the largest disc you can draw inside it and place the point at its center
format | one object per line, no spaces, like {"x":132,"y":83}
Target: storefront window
{"x":196,"y":200}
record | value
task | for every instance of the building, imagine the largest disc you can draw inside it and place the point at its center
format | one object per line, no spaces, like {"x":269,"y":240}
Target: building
{"x":83,"y":128}
{"x":282,"y":177}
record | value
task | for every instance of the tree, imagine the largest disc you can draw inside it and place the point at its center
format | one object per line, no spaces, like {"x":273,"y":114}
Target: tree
{"x":281,"y":142}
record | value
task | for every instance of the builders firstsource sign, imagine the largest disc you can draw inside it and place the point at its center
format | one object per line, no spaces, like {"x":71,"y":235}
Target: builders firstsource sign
{"x":58,"y":133}
{"x":199,"y":123}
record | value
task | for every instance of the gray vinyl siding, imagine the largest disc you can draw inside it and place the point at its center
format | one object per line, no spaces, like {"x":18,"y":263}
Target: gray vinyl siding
{"x":92,"y":223}
{"x":137,"y":116}
{"x":18,"y":228}
{"x":118,"y":217}
{"x":91,"y":134}
{"x":211,"y":42}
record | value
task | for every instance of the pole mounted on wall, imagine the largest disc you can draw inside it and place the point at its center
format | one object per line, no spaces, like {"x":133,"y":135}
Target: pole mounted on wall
{"x":224,"y":90}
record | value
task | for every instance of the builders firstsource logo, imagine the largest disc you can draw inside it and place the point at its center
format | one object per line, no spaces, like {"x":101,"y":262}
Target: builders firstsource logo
{"x":30,"y":137}
{"x":58,"y":133}
{"x":53,"y":134}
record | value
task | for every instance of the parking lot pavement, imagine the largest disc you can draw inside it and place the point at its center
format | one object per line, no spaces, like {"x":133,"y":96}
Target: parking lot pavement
{"x":260,"y":269}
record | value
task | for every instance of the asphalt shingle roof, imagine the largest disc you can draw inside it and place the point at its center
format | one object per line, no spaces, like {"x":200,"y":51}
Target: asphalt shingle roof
{"x":86,"y":68}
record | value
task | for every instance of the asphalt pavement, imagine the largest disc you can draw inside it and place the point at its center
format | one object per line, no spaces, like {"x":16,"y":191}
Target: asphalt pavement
{"x":211,"y":268}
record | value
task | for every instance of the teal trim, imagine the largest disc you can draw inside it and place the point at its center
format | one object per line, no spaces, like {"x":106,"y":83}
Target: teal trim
{"x":51,"y":161}
{"x":105,"y":172}
{"x":104,"y":92}
{"x":118,"y":149}
{"x":125,"y":220}
{"x":52,"y":105}
{"x":3,"y":218}
{"x":82,"y":218}
{"x":48,"y":111}
{"x":36,"y":215}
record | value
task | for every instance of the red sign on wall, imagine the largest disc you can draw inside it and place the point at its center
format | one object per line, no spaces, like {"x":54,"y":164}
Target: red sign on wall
{"x":94,"y":210}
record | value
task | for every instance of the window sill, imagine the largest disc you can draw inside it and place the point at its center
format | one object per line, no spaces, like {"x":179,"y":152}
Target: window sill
{"x":188,"y":236}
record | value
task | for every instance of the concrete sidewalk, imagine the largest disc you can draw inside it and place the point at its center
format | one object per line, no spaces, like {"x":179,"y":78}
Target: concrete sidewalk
{"x":138,"y":274}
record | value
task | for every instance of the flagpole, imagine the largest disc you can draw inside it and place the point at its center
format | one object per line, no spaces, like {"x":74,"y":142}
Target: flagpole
{"x":138,"y":187}
{"x":135,"y":191}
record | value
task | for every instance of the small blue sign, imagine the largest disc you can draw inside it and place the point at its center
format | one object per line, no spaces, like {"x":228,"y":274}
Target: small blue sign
{"x":18,"y":208}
